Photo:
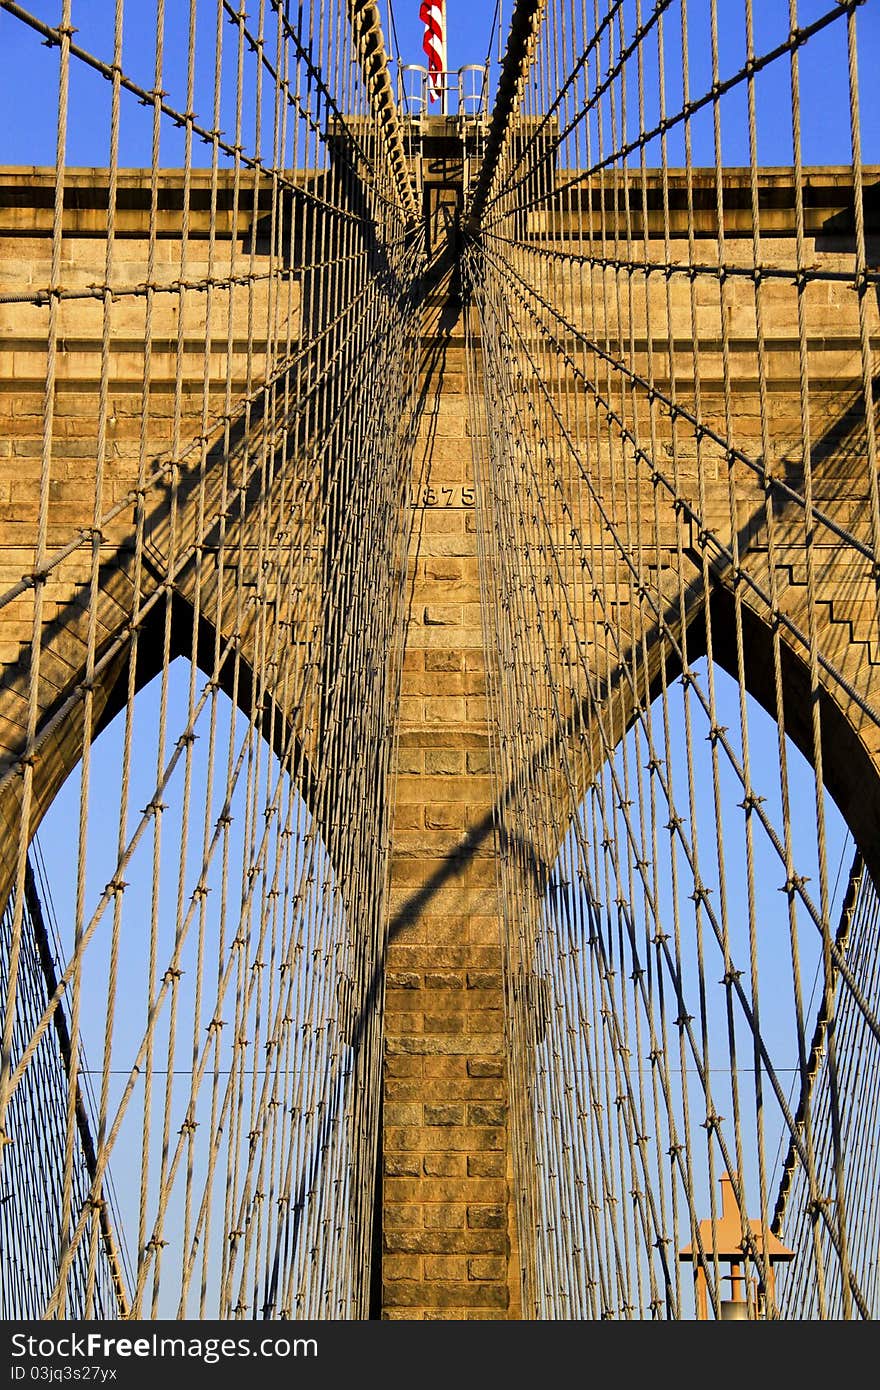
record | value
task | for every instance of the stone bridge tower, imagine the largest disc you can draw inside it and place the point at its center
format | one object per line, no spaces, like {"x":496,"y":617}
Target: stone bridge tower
{"x":448,"y":1230}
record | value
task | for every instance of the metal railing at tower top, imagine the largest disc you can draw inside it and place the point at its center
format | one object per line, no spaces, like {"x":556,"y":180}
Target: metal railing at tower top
{"x":463,"y":92}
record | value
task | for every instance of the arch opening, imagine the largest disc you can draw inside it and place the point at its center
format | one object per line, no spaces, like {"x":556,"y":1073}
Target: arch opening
{"x":220,"y":1007}
{"x":698,"y":1002}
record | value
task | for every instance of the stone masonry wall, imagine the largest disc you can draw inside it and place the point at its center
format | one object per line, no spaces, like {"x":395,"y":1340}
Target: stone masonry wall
{"x":449,"y":1243}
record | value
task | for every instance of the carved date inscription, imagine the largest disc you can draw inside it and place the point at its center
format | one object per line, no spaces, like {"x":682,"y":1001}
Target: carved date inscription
{"x":426,"y":496}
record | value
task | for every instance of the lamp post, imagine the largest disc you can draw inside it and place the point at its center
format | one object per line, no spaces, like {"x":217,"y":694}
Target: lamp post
{"x":729,"y":1239}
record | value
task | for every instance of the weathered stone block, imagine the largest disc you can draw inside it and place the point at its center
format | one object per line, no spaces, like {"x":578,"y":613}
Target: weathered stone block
{"x":436,"y":1240}
{"x":443,"y":980}
{"x":444,"y":1114}
{"x":443,"y":660}
{"x":494,"y":1218}
{"x":445,"y":1267}
{"x":402,"y":979}
{"x":444,"y":1023}
{"x":402,"y":1166}
{"x":402,"y":1267}
{"x":446,"y":1295}
{"x":488,"y":1165}
{"x":484,"y":979}
{"x":486,"y":1267}
{"x":403,"y":1115}
{"x":445,"y":1165}
{"x":487,"y":1113}
{"x":444,"y":1216}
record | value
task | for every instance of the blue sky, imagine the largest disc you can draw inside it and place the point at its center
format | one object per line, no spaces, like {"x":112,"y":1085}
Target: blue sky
{"x":30,"y":70}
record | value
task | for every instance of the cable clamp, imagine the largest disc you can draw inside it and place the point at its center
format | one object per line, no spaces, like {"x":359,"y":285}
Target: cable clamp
{"x":794,"y":884}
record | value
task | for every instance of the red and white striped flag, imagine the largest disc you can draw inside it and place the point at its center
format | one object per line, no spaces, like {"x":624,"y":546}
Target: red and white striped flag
{"x":433,"y":15}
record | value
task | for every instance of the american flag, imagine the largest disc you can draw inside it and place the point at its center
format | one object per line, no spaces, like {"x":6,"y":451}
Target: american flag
{"x":433,"y":16}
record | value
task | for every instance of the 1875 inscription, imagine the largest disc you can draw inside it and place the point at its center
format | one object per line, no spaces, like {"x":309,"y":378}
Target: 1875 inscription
{"x":426,"y":496}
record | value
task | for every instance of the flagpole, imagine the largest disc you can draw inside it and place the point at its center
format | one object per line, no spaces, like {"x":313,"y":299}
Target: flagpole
{"x":444,"y":72}
{"x":433,"y":14}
